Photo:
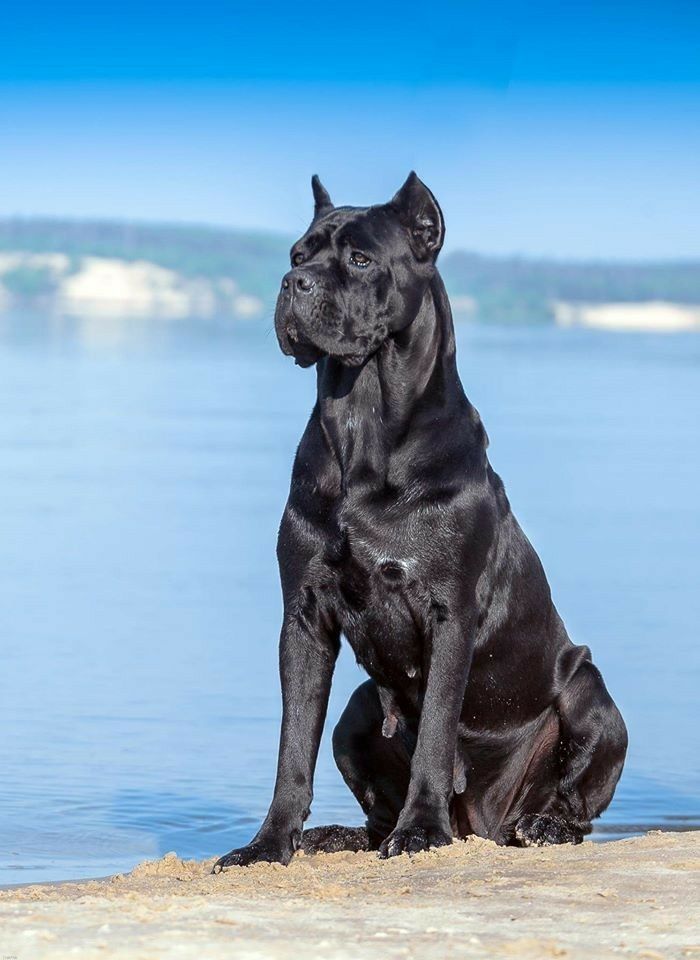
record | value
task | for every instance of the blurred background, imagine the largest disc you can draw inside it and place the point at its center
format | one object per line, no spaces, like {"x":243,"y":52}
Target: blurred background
{"x":155,"y":164}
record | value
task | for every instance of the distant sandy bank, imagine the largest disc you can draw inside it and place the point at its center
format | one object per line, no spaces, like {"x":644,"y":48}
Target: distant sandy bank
{"x":651,"y":317}
{"x":105,"y":287}
{"x":631,"y":898}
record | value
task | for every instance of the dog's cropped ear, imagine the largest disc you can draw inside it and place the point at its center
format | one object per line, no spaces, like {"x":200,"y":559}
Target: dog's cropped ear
{"x":322,"y":200}
{"x":420,"y":213}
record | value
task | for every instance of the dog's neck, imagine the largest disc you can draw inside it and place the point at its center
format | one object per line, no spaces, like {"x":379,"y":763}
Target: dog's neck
{"x":405,"y":393}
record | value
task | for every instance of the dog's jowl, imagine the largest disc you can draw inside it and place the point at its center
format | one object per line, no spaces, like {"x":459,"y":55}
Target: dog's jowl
{"x":479,"y":716}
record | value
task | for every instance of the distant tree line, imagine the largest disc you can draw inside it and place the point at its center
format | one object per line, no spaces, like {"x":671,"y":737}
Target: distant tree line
{"x":517,"y":290}
{"x":253,"y":259}
{"x":489,"y":289}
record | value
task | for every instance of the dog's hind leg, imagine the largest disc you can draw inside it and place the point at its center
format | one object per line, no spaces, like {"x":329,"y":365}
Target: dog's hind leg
{"x":334,"y":838}
{"x":592,"y":748}
{"x":375,"y":760}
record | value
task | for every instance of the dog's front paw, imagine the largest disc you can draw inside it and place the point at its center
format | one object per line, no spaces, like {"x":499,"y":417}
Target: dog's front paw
{"x":259,"y":851}
{"x":413,"y":840}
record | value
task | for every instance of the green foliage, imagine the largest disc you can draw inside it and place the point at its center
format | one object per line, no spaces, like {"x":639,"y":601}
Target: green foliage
{"x":29,"y":282}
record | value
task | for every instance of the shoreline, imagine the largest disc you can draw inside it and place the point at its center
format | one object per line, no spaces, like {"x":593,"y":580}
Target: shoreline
{"x":602,"y":834}
{"x":635,"y":897}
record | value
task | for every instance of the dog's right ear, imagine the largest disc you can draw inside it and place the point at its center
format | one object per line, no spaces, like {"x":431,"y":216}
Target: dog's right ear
{"x":322,"y":200}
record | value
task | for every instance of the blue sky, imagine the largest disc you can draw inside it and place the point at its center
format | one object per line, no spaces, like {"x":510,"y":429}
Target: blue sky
{"x":544,"y":129}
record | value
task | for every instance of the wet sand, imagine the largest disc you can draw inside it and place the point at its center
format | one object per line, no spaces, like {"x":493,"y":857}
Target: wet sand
{"x":630,"y":898}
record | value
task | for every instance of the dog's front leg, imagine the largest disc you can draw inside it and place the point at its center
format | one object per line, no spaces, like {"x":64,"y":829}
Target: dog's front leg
{"x":424,"y":820}
{"x":307,"y":658}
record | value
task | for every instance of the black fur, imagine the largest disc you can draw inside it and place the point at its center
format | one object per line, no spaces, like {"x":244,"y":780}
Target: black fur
{"x":480,"y":715}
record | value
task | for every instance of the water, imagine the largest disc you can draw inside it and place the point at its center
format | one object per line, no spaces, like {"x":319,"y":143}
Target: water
{"x":143,"y":471}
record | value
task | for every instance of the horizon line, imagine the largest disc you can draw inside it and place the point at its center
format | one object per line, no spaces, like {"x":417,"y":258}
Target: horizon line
{"x":265,"y":232}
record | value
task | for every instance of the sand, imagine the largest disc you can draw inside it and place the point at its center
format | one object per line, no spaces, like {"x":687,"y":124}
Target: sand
{"x":630,"y":898}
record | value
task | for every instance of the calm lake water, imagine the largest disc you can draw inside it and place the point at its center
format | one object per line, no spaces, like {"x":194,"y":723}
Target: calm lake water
{"x":143,"y":472}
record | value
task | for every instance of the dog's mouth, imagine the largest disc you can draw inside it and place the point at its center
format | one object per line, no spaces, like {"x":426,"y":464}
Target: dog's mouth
{"x":294,"y":344}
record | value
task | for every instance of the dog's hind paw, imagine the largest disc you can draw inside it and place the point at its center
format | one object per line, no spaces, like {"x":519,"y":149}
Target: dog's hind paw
{"x":334,"y":838}
{"x":543,"y":829}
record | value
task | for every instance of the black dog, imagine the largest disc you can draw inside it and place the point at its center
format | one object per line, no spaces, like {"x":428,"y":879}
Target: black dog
{"x":480,"y":717}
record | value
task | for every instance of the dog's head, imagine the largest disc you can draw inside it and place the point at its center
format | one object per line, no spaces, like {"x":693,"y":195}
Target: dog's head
{"x":359,"y":274}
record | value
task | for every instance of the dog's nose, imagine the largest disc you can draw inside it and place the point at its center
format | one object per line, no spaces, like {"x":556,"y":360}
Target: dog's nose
{"x":300,"y":281}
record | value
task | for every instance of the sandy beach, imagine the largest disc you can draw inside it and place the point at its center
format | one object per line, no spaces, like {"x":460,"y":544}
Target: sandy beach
{"x":629,"y":898}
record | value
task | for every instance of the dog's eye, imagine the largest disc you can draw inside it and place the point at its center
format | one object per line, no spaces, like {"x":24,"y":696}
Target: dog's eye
{"x":297,"y":259}
{"x":358,"y":259}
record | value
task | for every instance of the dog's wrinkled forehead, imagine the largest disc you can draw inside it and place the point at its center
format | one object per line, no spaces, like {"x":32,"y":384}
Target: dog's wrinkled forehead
{"x":373,"y":230}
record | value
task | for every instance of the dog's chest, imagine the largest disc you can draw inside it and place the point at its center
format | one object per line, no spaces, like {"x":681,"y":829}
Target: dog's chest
{"x":383,"y":607}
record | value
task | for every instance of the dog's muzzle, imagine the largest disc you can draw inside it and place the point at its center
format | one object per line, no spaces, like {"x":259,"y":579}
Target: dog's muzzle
{"x":289,"y":326}
{"x":308,"y":328}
